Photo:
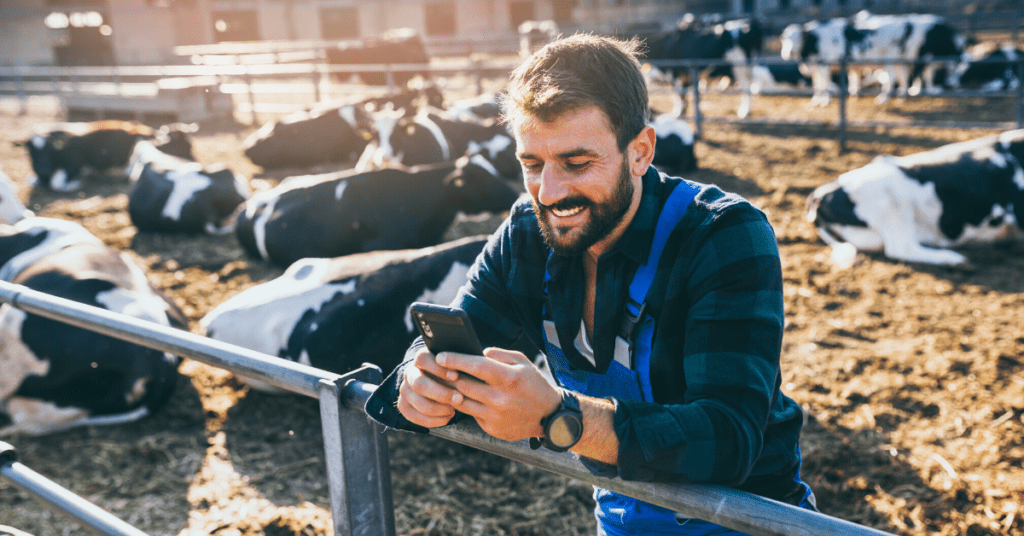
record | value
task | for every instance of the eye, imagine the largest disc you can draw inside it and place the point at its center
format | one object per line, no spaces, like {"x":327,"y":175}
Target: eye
{"x":576,"y":165}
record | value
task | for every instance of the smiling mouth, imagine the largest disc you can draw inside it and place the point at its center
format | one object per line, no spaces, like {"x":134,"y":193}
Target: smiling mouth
{"x":565,"y":213}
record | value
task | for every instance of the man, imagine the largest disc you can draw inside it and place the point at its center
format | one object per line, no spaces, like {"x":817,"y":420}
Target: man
{"x":691,"y":394}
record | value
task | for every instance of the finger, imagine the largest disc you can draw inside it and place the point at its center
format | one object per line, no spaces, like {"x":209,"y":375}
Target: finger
{"x":477,"y":367}
{"x":429,"y":386}
{"x":422,"y":410}
{"x":426,"y":362}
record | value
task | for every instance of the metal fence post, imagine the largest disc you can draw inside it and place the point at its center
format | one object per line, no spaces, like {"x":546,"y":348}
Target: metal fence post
{"x":844,"y":80}
{"x":253,"y":119}
{"x":358,"y":469}
{"x":19,"y":81}
{"x":315,"y":71}
{"x":1020,"y":92}
{"x":698,"y":125}
{"x":389,"y":77}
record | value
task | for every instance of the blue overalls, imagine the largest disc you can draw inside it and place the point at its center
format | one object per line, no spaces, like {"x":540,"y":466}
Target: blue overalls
{"x":619,"y":515}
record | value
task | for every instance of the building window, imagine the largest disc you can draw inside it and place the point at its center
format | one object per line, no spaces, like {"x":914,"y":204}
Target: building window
{"x":520,"y":11}
{"x":440,"y":18}
{"x":339,"y":22}
{"x":563,"y":10}
{"x":235,"y":26}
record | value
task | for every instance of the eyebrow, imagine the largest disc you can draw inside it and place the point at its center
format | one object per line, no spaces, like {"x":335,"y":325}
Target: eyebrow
{"x":565,"y":155}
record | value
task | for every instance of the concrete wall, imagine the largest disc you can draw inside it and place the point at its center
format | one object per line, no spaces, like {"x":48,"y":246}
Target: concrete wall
{"x":24,"y":40}
{"x":143,"y":35}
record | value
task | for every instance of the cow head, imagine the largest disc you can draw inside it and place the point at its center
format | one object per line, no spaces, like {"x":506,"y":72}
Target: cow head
{"x":500,"y":151}
{"x":792,"y":42}
{"x":476,"y":186}
{"x":11,"y":209}
{"x":44,"y":152}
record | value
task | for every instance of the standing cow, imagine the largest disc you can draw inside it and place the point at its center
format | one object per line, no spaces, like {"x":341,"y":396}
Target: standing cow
{"x":56,"y":376}
{"x":909,"y":46}
{"x":396,"y":46}
{"x":335,"y":314}
{"x":914,"y":207}
{"x":736,"y":41}
{"x":67,"y":152}
{"x":171,"y":194}
{"x":337,"y":214}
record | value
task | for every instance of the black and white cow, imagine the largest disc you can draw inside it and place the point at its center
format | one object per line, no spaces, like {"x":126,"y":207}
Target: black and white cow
{"x":66,"y":152}
{"x":914,"y":207}
{"x":336,"y":214}
{"x":171,"y":194}
{"x":56,"y":376}
{"x":432,"y":136}
{"x":989,"y":68}
{"x":11,"y":207}
{"x":736,"y":41}
{"x":908,"y":45}
{"x":673,"y":148}
{"x":307,"y":138}
{"x":337,"y":313}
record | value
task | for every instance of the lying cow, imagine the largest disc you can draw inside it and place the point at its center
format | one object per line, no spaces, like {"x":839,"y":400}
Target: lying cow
{"x":301,"y":139}
{"x":335,"y":314}
{"x":338,"y":214}
{"x":56,"y":376}
{"x":913,"y":207}
{"x":989,"y":68}
{"x":673,"y":148}
{"x":432,"y":136}
{"x":171,"y":194}
{"x":11,"y":208}
{"x":67,"y":152}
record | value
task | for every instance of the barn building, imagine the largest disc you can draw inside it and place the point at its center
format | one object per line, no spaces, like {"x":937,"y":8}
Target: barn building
{"x":145,"y":32}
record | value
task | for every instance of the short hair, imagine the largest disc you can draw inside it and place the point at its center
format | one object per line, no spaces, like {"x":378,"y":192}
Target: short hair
{"x":579,"y":71}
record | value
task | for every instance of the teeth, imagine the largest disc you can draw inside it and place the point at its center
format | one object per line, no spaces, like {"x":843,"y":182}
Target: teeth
{"x":566,"y":213}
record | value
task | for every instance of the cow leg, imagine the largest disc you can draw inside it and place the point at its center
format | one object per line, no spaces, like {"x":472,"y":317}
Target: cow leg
{"x":820,"y":80}
{"x":743,"y":79}
{"x":897,"y":227}
{"x":36,"y":417}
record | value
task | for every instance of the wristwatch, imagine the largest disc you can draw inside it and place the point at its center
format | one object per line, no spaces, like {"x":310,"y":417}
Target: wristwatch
{"x":563,"y":428}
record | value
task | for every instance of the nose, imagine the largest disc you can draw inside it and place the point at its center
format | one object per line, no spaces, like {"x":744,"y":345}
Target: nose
{"x":551,"y":186}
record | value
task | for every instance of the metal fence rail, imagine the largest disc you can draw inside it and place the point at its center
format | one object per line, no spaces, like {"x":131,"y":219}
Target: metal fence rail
{"x":356,"y":450}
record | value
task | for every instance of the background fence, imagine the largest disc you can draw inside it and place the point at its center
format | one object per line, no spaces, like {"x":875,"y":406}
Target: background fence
{"x":255,"y":86}
{"x":356,"y":448}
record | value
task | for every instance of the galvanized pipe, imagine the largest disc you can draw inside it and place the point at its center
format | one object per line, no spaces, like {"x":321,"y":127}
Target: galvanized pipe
{"x":728,"y":507}
{"x":59,"y":498}
{"x":278,"y":372}
{"x":738,"y":510}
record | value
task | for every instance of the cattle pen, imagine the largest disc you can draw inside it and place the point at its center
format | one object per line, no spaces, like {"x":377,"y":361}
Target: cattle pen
{"x":356,"y":451}
{"x":254,"y":87}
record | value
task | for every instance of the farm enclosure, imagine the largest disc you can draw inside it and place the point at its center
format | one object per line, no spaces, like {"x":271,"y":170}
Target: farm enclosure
{"x":911,"y":376}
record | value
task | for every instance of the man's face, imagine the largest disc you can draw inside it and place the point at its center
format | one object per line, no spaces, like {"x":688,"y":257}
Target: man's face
{"x":581,"y":185}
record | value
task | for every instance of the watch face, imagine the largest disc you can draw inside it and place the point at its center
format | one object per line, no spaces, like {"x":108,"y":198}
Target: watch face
{"x":565,"y":430}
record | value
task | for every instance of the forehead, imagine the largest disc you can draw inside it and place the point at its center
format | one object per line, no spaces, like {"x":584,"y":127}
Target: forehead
{"x":583,"y":128}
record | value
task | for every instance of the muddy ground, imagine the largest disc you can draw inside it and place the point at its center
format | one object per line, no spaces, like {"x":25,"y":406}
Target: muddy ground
{"x":911,"y":376}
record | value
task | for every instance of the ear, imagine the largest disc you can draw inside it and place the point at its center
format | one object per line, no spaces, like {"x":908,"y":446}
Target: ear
{"x":641,"y":151}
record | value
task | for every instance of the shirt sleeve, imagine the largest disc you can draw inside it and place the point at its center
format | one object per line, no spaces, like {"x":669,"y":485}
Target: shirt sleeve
{"x":730,"y":311}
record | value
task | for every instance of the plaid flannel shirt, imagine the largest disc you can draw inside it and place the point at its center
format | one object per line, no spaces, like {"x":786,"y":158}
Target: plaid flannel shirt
{"x":718,"y":414}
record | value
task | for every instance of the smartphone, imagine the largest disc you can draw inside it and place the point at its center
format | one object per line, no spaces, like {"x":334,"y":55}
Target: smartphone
{"x":445,"y":329}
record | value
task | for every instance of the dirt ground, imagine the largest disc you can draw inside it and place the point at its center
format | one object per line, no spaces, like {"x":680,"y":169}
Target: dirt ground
{"x":911,"y":377}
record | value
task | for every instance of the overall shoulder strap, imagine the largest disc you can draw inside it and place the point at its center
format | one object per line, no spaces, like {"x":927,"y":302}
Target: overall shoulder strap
{"x":675,"y":208}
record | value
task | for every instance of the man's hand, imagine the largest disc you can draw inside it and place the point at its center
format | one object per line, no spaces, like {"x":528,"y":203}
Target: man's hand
{"x":425,"y":396}
{"x":511,"y":396}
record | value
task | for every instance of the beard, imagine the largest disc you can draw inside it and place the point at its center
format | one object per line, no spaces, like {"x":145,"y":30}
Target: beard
{"x":604,"y":217}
